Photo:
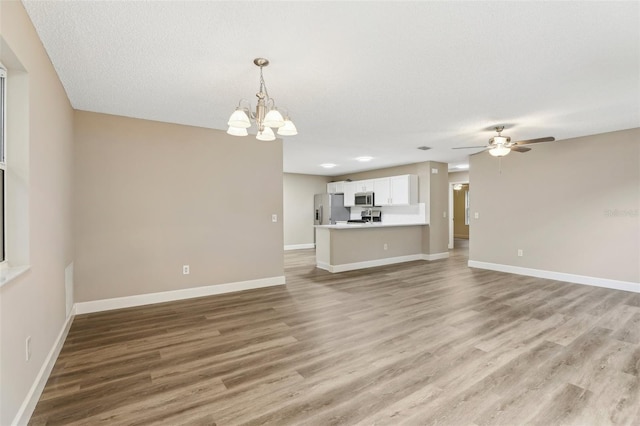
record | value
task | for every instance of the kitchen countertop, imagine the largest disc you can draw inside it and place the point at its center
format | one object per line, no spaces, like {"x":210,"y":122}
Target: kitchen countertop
{"x":367,"y":225}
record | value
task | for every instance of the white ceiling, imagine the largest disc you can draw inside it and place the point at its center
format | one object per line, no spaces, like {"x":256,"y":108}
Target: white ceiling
{"x":359,"y":78}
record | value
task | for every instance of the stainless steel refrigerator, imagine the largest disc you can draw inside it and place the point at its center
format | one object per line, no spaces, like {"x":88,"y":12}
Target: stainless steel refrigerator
{"x":329,"y":208}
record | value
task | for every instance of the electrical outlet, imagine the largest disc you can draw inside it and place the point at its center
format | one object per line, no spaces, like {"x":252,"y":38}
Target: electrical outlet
{"x":385,"y":246}
{"x":27,"y":348}
{"x":520,"y":253}
{"x":185,"y":269}
{"x":274,"y":218}
{"x":476,"y":215}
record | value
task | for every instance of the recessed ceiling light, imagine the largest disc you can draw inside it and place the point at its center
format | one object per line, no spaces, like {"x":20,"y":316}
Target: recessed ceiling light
{"x":364,"y":159}
{"x":328,"y":165}
{"x":462,"y":166}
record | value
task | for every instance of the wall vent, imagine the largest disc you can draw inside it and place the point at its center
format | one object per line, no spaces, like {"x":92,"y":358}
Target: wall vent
{"x":424,"y":148}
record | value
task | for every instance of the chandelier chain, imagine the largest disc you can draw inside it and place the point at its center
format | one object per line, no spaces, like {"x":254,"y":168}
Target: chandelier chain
{"x":263,"y":85}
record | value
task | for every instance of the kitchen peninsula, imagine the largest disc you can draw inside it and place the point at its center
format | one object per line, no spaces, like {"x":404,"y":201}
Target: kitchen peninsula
{"x":346,"y":247}
{"x":413,"y":225}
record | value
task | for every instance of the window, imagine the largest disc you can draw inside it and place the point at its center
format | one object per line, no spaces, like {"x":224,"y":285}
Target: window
{"x":14,"y":166}
{"x":3,"y":133}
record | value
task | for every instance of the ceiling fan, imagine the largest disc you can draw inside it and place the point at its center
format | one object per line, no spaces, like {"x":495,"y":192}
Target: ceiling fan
{"x":499,"y":145}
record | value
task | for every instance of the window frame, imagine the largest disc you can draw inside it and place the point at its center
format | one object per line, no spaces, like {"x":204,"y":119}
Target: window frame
{"x":3,"y":164}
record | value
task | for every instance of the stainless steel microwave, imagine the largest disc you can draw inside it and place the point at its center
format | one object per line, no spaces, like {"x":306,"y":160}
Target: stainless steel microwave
{"x":364,"y":199}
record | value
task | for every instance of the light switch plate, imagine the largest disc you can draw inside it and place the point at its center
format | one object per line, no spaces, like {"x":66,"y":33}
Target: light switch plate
{"x":434,"y":171}
{"x":274,"y":218}
{"x":476,"y":215}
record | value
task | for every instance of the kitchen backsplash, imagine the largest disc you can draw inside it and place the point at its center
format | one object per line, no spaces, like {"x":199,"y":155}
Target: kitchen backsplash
{"x":415,"y":213}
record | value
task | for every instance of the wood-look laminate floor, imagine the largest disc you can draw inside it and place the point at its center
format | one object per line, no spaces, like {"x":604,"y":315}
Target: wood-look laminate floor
{"x":419,"y":343}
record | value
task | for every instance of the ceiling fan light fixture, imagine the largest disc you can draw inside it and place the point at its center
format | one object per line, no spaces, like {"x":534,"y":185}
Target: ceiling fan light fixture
{"x":499,"y":151}
{"x":499,"y":145}
{"x":499,"y":140}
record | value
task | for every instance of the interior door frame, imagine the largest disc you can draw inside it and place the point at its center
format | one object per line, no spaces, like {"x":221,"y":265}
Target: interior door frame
{"x":451,"y":192}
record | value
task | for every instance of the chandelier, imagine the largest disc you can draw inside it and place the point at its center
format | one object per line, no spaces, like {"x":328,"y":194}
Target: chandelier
{"x":266,"y":116}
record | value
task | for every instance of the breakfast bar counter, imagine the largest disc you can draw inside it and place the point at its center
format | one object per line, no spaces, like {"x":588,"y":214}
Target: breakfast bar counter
{"x":346,"y":247}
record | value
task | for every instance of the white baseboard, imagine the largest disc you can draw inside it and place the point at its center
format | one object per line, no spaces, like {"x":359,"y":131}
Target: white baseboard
{"x":435,"y":256}
{"x":559,"y":276}
{"x":31,"y":400}
{"x":168,"y":296}
{"x":368,"y":263}
{"x":299,"y":246}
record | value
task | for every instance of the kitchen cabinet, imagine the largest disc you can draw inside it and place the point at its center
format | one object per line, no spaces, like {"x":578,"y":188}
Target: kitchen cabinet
{"x":389,"y":191}
{"x":382,"y":191}
{"x":404,"y":190}
{"x":396,"y":190}
{"x":363,"y":185}
{"x":349,"y":193}
{"x":335,"y":187}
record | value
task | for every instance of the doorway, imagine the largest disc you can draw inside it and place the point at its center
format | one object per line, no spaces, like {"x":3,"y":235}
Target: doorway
{"x":458,"y":213}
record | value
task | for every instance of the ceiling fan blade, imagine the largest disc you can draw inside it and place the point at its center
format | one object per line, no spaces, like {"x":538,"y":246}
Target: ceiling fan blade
{"x":520,"y":149}
{"x":528,"y":141}
{"x":469,"y":147}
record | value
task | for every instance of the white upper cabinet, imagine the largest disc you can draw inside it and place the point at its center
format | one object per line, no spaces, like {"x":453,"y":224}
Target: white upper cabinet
{"x":363,"y":185}
{"x":390,"y":191}
{"x":335,"y":187}
{"x":396,"y":190}
{"x":382,"y":191}
{"x":404,"y":190}
{"x":349,"y":194}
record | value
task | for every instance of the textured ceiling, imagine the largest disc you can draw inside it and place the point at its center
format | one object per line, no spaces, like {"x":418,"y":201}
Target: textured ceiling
{"x":359,"y":78}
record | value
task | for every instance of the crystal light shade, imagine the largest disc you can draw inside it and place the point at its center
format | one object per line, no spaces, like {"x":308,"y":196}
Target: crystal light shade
{"x":266,"y":135}
{"x":240,"y":119}
{"x":273,"y":119}
{"x":237,"y":131}
{"x":289,"y":129}
{"x":499,"y":151}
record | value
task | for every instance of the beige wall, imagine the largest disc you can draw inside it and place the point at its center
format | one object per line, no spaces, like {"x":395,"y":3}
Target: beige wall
{"x":571,"y":206}
{"x":457,"y":177}
{"x":299,"y":190}
{"x":432,"y":190}
{"x":362,"y":245}
{"x":34,"y":303}
{"x":151,"y":197}
{"x":439,"y":208}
